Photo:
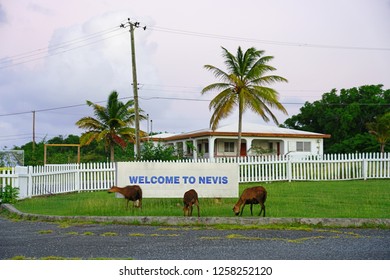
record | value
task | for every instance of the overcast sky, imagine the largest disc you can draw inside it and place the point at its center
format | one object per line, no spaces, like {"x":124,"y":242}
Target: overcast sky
{"x":55,"y":55}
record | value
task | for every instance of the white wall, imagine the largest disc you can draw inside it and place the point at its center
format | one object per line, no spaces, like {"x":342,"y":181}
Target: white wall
{"x":316,"y":146}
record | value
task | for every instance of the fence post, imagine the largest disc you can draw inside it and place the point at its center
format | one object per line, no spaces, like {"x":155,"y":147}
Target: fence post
{"x":365,"y":168}
{"x":21,"y":181}
{"x":77,"y":179}
{"x":30,"y":171}
{"x":289,"y":167}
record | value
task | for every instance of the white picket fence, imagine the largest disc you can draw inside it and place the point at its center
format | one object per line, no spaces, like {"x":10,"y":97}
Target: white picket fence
{"x":55,"y":179}
{"x":316,"y":168}
{"x":61,"y":178}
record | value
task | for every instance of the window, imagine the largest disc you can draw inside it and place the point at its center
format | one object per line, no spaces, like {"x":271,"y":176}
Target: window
{"x":303,"y":146}
{"x":228,"y":147}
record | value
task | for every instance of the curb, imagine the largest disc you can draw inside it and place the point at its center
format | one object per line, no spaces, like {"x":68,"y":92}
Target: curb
{"x":157,"y":220}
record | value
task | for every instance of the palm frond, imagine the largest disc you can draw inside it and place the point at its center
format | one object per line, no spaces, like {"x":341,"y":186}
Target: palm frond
{"x":119,"y":141}
{"x":216,"y":86}
{"x":230,"y":60}
{"x":269,"y":97}
{"x":268,"y":80}
{"x":218,"y":73}
{"x":87,"y":138}
{"x":222,"y":105}
{"x":90,"y":123}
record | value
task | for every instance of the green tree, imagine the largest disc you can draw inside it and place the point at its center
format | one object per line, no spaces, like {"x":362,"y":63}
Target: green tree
{"x":245,"y":85}
{"x":344,"y":115}
{"x":380,"y":128}
{"x":33,"y":157}
{"x":112,"y":124}
{"x":149,"y":151}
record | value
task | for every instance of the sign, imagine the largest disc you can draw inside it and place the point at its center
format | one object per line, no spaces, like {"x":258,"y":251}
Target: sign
{"x":172,"y":179}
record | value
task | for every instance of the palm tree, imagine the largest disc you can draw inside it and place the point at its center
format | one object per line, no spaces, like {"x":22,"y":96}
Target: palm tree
{"x":112,"y":124}
{"x":244,"y":85}
{"x":380,"y":128}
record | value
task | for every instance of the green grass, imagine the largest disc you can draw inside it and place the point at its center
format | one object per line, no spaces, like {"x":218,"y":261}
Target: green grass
{"x":330,"y":199}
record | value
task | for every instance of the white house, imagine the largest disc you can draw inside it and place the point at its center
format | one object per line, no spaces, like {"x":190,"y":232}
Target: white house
{"x":256,"y":139}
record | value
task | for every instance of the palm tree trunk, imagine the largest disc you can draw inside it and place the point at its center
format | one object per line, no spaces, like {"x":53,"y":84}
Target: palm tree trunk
{"x":239,"y":128}
{"x":112,"y":159}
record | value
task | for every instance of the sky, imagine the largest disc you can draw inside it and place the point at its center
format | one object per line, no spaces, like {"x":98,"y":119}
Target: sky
{"x":55,"y":55}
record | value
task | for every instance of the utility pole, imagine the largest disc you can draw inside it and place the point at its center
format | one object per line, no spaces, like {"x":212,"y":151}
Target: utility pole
{"x":147,"y":119}
{"x":132,"y":26}
{"x":33,"y":128}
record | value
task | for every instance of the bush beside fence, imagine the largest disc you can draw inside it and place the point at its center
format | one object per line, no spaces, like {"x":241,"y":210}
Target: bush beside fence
{"x":64,"y":178}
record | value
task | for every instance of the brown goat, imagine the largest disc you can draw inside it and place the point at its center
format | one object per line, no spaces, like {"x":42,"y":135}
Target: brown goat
{"x":190,"y":198}
{"x":133,"y":193}
{"x":255,"y":195}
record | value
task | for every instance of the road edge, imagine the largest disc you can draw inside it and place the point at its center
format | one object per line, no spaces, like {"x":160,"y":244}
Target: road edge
{"x":174,"y":220}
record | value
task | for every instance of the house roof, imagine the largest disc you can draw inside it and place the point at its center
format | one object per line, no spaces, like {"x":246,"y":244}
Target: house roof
{"x":248,"y":130}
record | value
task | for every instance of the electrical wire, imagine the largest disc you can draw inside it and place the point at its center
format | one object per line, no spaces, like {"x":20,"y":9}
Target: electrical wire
{"x":67,"y":46}
{"x":149,"y":98}
{"x":63,"y":44}
{"x":59,"y":48}
{"x":252,"y":40}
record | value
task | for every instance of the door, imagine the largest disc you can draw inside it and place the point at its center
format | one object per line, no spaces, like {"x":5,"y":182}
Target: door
{"x":243,"y":150}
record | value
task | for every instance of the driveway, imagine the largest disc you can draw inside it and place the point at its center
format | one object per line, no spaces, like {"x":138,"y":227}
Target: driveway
{"x":89,"y":241}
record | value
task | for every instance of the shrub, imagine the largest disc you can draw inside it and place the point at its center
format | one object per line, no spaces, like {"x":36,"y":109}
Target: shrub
{"x":8,"y":194}
{"x":161,"y":152}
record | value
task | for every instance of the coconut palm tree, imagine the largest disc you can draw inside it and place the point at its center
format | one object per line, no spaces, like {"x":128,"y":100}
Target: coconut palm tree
{"x":111,"y":124}
{"x":245,"y":85}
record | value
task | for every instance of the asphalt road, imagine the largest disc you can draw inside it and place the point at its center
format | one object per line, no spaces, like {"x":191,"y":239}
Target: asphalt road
{"x":90,"y":241}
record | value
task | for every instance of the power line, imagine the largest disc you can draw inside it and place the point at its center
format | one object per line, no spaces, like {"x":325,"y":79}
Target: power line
{"x":64,"y":44}
{"x":284,"y":103}
{"x":55,"y":108}
{"x":42,"y":110}
{"x":270,"y":42}
{"x":59,"y":48}
{"x":147,"y":98}
{"x":26,"y":57}
{"x":23,"y":135}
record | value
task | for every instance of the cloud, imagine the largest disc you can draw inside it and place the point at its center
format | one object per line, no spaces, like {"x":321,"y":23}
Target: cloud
{"x":3,"y":15}
{"x":39,"y":9}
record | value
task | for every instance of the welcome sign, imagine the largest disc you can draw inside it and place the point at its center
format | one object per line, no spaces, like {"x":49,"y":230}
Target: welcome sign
{"x":172,"y":179}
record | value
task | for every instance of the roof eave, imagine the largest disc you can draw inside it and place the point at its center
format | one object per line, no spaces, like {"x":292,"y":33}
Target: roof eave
{"x":243,"y":134}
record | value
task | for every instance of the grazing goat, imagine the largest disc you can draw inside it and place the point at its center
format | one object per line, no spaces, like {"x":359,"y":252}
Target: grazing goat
{"x":190,"y":198}
{"x":133,"y":193}
{"x":255,"y":195}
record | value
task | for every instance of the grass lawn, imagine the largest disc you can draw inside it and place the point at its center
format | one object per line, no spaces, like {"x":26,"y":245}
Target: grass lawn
{"x":330,"y":199}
